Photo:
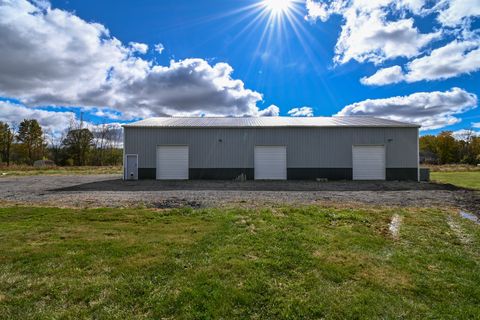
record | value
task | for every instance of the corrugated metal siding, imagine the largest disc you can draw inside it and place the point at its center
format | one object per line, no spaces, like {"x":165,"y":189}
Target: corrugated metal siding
{"x":306,"y":147}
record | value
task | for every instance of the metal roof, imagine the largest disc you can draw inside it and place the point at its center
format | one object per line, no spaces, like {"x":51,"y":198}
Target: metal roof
{"x":267,"y":122}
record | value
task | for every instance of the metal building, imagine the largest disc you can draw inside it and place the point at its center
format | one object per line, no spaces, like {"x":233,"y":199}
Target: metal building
{"x":336,"y":148}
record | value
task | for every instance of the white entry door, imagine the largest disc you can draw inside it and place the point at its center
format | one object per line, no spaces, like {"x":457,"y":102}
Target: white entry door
{"x":172,"y":163}
{"x":270,"y":163}
{"x":131,"y":167}
{"x":369,"y":163}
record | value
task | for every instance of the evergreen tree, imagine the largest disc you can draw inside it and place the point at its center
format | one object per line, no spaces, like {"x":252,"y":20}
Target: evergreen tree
{"x":6,"y":141}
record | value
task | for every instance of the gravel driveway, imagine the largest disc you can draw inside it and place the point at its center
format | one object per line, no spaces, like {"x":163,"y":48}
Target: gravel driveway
{"x":111,"y":191}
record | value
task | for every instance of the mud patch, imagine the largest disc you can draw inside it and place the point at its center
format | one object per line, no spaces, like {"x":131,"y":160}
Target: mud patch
{"x":458,"y":231}
{"x":394,"y":226}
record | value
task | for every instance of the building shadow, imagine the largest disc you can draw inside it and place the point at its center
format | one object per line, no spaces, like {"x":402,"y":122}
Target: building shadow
{"x":223,"y":185}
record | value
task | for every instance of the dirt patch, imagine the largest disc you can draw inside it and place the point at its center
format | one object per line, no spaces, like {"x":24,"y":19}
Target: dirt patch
{"x":111,"y":191}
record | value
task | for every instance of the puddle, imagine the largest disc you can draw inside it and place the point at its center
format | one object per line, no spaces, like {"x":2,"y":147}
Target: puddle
{"x":469,"y":216}
{"x":394,"y":226}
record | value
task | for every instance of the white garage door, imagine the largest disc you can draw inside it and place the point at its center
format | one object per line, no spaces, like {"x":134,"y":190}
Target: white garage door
{"x":270,"y":163}
{"x":172,"y":162}
{"x":368,"y":163}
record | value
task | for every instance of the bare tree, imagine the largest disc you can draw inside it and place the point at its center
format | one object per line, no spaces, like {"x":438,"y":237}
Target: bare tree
{"x":108,"y":138}
{"x":55,"y":143}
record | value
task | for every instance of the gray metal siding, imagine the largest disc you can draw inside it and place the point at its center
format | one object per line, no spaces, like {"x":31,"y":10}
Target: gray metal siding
{"x":306,"y":147}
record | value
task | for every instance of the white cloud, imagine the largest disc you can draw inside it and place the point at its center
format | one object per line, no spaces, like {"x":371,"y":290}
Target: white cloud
{"x":451,"y":60}
{"x":139,"y":47}
{"x":190,"y":86}
{"x":52,"y":57}
{"x":384,"y":76}
{"x":317,"y":10}
{"x":301,"y":112}
{"x":379,"y":30}
{"x":431,"y":110}
{"x":105,"y":113}
{"x":159,"y":48}
{"x":51,"y":121}
{"x":369,"y":37}
{"x":453,"y":12}
{"x":271,"y":111}
{"x":369,"y":33}
{"x":476,"y":124}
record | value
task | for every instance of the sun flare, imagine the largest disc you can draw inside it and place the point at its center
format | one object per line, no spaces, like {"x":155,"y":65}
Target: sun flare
{"x":278,"y":7}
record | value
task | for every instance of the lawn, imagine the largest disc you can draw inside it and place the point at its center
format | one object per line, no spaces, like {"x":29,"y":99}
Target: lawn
{"x":277,"y":263}
{"x":17,"y":170}
{"x":465,"y":179}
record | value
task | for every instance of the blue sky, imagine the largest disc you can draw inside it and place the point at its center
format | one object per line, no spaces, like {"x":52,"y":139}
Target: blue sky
{"x":310,"y":55}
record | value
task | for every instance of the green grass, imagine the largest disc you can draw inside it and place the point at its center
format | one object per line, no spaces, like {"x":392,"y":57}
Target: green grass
{"x":469,"y":180}
{"x":16,"y":170}
{"x":279,"y":263}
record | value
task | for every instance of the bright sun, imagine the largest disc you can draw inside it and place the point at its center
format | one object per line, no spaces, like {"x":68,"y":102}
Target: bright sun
{"x":278,"y":7}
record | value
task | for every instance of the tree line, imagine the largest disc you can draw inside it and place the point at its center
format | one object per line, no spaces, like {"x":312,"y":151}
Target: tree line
{"x":78,"y":145}
{"x":445,"y":148}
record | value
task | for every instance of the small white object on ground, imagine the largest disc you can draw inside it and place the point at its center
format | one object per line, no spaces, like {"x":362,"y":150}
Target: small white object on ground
{"x":395,"y":226}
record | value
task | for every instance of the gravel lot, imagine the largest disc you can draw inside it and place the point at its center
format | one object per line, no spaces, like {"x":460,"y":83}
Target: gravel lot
{"x":111,"y":191}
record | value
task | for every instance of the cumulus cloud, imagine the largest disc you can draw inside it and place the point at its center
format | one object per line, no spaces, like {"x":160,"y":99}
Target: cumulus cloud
{"x":451,"y":60}
{"x":431,"y":110}
{"x":384,"y":76}
{"x":369,"y":37}
{"x":159,"y":47}
{"x":51,"y":121}
{"x":188,"y":86}
{"x":380,"y":30}
{"x":454,"y":12}
{"x":318,"y":10}
{"x":271,"y":111}
{"x":369,"y":34}
{"x":139,"y":47}
{"x":301,"y":112}
{"x":476,"y":124}
{"x":53,"y":57}
{"x":105,"y":113}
